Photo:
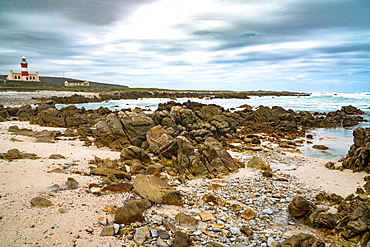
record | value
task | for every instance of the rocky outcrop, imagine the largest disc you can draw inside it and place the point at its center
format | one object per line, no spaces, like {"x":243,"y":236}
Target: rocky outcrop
{"x":358,"y":156}
{"x":4,"y":114}
{"x":123,"y":129}
{"x":350,"y":222}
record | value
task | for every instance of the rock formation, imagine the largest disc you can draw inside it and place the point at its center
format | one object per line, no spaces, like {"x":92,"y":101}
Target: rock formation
{"x":358,"y":156}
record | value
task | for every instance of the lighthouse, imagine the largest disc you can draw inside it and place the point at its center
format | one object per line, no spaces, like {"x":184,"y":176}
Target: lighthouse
{"x":23,"y":75}
{"x":24,"y":66}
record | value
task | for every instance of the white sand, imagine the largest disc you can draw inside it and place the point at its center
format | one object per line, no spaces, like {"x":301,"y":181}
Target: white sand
{"x":22,"y":180}
{"x":344,"y":183}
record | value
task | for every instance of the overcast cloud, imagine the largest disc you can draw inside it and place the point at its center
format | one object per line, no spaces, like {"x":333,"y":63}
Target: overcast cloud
{"x":295,"y":45}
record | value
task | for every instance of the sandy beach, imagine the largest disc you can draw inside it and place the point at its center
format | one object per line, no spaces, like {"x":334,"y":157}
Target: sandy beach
{"x":76,"y":212}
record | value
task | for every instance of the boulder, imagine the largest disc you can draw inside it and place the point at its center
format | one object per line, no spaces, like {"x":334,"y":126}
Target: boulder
{"x":136,"y":125}
{"x":299,"y":207}
{"x":128,"y":214}
{"x":123,"y":129}
{"x":358,"y":222}
{"x":358,"y":156}
{"x":51,"y":117}
{"x":258,"y":163}
{"x":210,"y":111}
{"x":156,"y":190}
{"x":351,"y":110}
{"x":160,"y":142}
{"x":25,"y":113}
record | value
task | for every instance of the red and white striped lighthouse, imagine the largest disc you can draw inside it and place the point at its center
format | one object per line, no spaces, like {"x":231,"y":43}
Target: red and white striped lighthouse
{"x":24,"y":67}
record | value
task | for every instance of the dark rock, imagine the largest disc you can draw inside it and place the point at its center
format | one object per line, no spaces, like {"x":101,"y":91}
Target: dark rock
{"x":328,"y":199}
{"x":128,"y":214}
{"x":351,"y":110}
{"x":367,"y":187}
{"x":25,"y":113}
{"x":358,"y":156}
{"x":299,"y":207}
{"x":330,"y":165}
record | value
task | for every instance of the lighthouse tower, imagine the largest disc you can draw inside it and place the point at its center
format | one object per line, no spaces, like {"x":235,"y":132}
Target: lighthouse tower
{"x":24,"y":67}
{"x":23,"y":75}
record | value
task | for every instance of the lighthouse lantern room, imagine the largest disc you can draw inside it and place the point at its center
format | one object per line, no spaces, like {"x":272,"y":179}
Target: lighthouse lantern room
{"x":23,"y":75}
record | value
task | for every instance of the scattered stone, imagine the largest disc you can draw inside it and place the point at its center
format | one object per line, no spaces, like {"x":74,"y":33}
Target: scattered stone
{"x":56,"y":156}
{"x":141,"y":235}
{"x":185,"y":220}
{"x":258,"y":163}
{"x":39,"y":202}
{"x":248,"y":214}
{"x":107,"y":231}
{"x":205,"y":216}
{"x":71,"y":184}
{"x":53,"y":188}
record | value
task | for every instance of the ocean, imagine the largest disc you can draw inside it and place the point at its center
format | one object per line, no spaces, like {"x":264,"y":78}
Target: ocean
{"x":338,"y":139}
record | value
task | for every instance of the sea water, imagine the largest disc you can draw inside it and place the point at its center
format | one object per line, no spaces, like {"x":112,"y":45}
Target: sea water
{"x":338,"y":139}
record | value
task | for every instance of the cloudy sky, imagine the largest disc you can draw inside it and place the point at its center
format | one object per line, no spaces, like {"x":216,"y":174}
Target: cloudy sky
{"x":295,"y":45}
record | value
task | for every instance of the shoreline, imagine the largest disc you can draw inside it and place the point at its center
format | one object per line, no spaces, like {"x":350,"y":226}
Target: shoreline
{"x":22,"y":180}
